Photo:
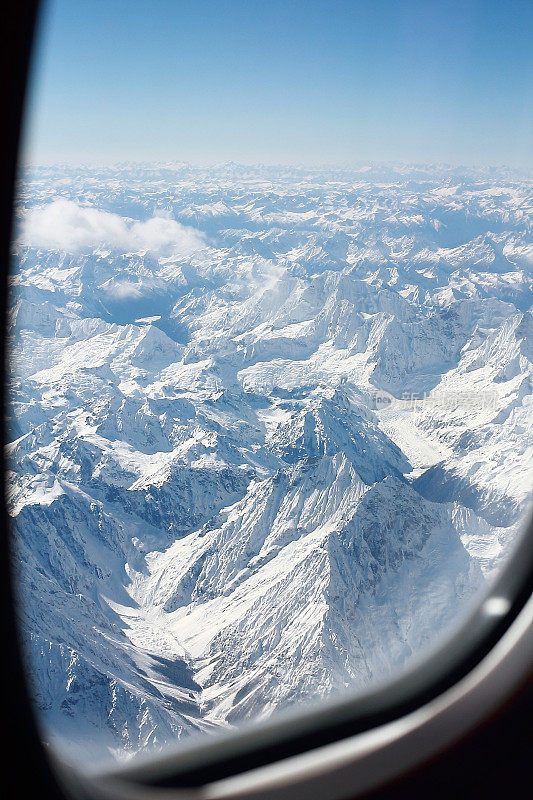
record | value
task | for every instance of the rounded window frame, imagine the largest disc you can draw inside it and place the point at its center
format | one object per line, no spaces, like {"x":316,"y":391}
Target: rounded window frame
{"x":485,"y":661}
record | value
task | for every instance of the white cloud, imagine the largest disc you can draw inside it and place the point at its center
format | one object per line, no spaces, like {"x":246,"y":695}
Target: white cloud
{"x":67,"y":225}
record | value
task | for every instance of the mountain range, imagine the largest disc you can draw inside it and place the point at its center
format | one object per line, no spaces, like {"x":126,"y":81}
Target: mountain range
{"x":270,"y":433}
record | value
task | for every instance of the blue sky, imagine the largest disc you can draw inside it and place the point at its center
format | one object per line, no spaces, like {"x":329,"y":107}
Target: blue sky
{"x":323,"y":81}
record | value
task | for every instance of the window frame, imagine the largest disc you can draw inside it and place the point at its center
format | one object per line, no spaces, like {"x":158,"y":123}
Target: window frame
{"x":342,"y":748}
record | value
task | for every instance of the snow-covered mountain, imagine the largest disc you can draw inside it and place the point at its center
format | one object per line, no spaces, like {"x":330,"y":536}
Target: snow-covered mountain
{"x":270,"y":432}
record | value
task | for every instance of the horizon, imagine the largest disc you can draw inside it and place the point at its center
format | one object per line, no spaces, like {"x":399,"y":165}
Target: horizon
{"x":362,"y":166}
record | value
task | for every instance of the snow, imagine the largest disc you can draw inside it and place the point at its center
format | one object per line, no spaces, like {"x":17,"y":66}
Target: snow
{"x":265,"y":449}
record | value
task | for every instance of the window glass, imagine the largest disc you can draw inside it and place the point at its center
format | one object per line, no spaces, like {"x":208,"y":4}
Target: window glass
{"x":271,"y":353}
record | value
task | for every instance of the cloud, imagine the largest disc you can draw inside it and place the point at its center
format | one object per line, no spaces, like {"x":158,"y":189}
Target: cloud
{"x":126,"y":290}
{"x":67,"y":225}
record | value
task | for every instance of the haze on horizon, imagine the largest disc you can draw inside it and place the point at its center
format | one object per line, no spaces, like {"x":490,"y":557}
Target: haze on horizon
{"x":283,"y":82}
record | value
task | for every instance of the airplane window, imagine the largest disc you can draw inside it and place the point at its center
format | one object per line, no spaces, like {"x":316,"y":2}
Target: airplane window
{"x":271,"y":348}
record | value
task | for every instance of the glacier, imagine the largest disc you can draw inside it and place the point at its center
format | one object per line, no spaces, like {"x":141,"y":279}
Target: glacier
{"x":270,"y":433}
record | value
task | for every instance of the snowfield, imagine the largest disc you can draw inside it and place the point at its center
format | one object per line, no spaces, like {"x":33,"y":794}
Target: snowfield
{"x":270,"y":433}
